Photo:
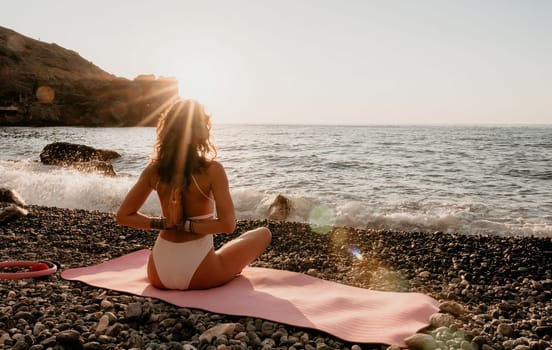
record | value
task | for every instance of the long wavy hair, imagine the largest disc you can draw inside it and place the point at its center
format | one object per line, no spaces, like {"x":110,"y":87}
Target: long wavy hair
{"x":183,"y":144}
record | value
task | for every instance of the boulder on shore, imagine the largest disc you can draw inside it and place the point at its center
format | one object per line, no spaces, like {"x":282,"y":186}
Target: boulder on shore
{"x":10,"y":196}
{"x":11,"y":206}
{"x":279,"y":209}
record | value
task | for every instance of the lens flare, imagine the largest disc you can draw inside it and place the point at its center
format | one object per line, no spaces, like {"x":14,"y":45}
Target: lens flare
{"x":321,"y":219}
{"x":389,"y":280}
{"x":356,"y":253}
{"x":45,"y":94}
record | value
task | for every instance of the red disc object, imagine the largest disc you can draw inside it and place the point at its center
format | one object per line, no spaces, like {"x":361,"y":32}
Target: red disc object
{"x":39,"y":266}
{"x":38,"y":269}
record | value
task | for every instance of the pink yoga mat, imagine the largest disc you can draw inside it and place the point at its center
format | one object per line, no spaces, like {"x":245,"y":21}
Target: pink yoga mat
{"x":350,"y":313}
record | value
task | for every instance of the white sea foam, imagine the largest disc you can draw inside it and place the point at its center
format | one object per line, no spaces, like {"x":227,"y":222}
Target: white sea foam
{"x":449,"y":179}
{"x":66,"y":188}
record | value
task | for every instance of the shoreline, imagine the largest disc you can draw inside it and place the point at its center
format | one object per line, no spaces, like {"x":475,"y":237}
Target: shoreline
{"x":503,"y":283}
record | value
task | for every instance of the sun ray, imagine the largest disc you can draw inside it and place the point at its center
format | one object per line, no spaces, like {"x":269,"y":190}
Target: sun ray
{"x":127,"y":99}
{"x":182,"y":152}
{"x":153,"y":115}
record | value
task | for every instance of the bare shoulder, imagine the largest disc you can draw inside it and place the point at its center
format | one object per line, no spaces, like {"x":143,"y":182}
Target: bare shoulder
{"x":150,"y":174}
{"x":216,"y":172}
{"x":215,"y":168}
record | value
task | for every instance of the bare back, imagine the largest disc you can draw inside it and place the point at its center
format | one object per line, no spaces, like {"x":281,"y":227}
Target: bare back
{"x":194,"y":202}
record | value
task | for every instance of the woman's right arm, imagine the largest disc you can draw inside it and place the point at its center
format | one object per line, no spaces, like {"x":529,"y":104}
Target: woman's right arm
{"x":128,"y":213}
{"x":226,"y":217}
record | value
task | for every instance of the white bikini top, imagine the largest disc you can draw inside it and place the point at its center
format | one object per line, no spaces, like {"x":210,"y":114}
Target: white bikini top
{"x":201,"y":191}
{"x":210,"y":198}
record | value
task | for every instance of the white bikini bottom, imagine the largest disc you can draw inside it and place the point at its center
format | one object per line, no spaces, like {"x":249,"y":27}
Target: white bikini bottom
{"x":176,"y":263}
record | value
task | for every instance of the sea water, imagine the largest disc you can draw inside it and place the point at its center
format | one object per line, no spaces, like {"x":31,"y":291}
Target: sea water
{"x":476,"y":179}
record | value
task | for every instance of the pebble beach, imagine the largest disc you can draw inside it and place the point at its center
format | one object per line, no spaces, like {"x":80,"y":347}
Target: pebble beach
{"x":497,"y":289}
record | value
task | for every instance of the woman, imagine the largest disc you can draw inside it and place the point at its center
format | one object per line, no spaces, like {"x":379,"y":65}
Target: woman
{"x":195,"y":200}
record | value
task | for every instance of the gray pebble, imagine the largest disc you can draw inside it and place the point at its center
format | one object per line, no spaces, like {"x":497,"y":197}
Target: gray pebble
{"x":134,"y":311}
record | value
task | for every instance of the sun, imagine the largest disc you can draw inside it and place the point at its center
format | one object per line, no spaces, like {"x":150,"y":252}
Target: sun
{"x":202,"y":81}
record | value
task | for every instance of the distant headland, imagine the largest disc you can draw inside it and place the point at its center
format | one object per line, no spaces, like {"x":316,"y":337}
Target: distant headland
{"x":44,"y":84}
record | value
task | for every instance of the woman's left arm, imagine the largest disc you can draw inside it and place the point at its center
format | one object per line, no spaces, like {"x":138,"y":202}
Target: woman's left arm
{"x":128,"y":213}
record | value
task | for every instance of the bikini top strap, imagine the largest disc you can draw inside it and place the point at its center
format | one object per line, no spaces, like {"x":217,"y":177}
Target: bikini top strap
{"x":200,"y":190}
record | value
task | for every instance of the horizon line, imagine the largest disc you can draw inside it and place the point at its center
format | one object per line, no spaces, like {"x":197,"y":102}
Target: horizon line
{"x":384,"y":124}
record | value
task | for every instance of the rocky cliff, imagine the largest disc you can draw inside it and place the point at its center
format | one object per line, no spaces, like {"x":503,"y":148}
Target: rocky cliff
{"x":45,"y":84}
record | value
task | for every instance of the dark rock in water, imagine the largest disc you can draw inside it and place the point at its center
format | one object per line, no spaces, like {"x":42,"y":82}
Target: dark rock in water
{"x":61,"y":153}
{"x":95,"y":166}
{"x":279,"y":209}
{"x":80,"y":157}
{"x":107,"y":154}
{"x":10,"y":196}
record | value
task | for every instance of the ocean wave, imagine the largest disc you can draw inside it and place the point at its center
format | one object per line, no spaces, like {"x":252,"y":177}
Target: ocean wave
{"x":65,"y":188}
{"x":450,"y":179}
{"x":406,"y":216}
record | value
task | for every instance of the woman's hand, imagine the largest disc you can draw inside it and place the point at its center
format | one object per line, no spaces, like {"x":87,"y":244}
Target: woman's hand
{"x":175,"y":211}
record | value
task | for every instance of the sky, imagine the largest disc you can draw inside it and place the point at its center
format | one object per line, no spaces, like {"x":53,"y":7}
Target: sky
{"x":319,"y":61}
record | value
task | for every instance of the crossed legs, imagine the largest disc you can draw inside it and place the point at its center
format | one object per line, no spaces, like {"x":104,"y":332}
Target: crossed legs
{"x":223,"y":265}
